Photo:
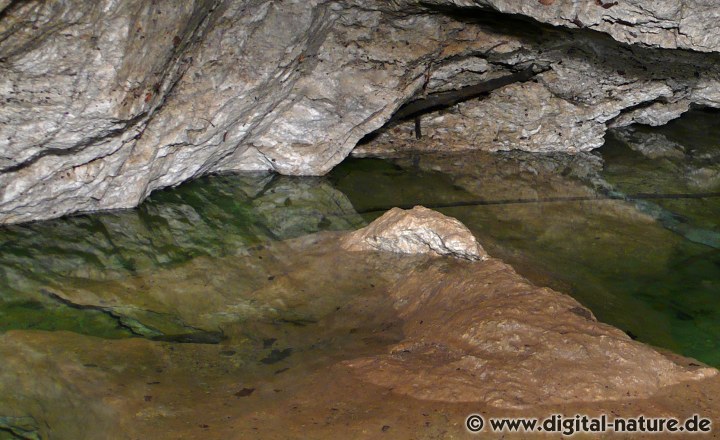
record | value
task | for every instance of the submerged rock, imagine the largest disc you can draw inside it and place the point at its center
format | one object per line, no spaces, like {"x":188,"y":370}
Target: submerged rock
{"x":303,"y":322}
{"x":214,"y":217}
{"x":416,"y":231}
{"x":482,"y":333}
{"x":20,"y":427}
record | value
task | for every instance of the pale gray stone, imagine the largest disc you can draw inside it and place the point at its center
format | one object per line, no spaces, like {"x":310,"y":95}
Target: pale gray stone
{"x":118,"y":100}
{"x":105,"y":102}
{"x":416,"y":231}
{"x":670,"y":24}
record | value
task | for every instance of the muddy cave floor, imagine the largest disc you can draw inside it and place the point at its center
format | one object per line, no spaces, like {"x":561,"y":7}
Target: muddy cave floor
{"x":281,"y":369}
{"x":210,"y":312}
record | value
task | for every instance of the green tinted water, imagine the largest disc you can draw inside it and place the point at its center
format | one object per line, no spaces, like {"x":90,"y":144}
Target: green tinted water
{"x":647,"y":265}
{"x":212,"y":217}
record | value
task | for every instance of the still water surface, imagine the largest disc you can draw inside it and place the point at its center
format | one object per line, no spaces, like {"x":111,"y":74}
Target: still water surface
{"x":631,"y":231}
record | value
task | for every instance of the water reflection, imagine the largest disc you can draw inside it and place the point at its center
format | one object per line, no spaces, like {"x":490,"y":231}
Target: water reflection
{"x":212,"y":217}
{"x":631,"y":231}
{"x":218,"y":279}
{"x":586,"y":224}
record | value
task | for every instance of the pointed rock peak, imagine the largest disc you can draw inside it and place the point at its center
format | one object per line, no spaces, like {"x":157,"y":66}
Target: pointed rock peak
{"x":416,"y":231}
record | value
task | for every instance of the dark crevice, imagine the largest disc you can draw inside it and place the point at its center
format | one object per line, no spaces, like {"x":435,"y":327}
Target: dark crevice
{"x":55,"y":297}
{"x":553,"y":43}
{"x":515,"y":25}
{"x":440,"y":100}
{"x":200,"y":337}
{"x":638,"y":106}
{"x":652,"y":60}
{"x":437,"y":101}
{"x":531,"y":29}
{"x":77,"y":148}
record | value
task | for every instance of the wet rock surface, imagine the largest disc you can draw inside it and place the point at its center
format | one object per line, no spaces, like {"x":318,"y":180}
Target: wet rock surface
{"x":633,"y":239}
{"x":214,"y":217}
{"x":281,"y":312}
{"x":103,"y":105}
{"x":480,"y":333}
{"x":217,"y":216}
{"x":416,"y":231}
{"x":228,"y":330}
{"x":549,"y":211}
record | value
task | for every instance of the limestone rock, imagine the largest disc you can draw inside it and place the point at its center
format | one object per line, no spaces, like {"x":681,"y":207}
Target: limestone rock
{"x":651,"y":145}
{"x":416,"y":231}
{"x":590,"y":85}
{"x":520,"y":116}
{"x":655,"y":114}
{"x":440,"y":329}
{"x":115,"y":101}
{"x":103,"y":105}
{"x":686,"y":24}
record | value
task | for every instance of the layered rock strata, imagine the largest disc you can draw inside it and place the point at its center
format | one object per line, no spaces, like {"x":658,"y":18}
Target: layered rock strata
{"x":103,"y":104}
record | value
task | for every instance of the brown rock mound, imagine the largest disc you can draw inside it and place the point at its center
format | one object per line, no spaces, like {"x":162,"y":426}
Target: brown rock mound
{"x":479,"y":332}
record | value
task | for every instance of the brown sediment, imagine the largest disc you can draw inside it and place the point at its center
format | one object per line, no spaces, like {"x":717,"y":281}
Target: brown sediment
{"x":423,"y":343}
